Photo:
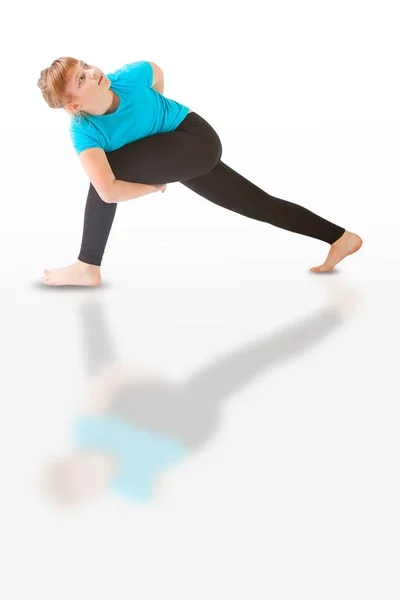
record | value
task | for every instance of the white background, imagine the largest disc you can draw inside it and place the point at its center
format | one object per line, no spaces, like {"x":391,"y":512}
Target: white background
{"x":295,"y":492}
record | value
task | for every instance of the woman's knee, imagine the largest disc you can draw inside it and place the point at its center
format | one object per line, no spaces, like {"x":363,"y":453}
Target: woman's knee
{"x":168,"y":157}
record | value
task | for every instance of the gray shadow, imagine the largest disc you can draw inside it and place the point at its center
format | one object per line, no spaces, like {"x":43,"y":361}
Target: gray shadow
{"x":71,"y":289}
{"x":146,"y":424}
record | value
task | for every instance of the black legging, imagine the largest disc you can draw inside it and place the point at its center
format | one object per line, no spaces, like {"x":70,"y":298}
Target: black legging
{"x":191,"y":155}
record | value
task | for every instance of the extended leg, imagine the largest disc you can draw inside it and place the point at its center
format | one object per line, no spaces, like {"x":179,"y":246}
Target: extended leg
{"x":227,"y":188}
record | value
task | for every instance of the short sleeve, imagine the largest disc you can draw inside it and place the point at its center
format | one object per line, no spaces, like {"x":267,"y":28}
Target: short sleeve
{"x":140,"y":73}
{"x":82,"y":140}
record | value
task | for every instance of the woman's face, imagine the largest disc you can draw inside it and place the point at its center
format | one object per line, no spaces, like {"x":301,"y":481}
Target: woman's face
{"x":87,"y":85}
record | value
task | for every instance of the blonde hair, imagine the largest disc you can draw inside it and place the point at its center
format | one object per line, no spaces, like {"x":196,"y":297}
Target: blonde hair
{"x":53,"y":81}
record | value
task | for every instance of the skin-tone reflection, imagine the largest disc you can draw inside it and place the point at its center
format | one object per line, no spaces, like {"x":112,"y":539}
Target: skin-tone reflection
{"x":136,"y":427}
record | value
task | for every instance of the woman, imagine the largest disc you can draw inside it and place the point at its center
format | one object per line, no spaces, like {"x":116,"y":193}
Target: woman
{"x":149,"y":141}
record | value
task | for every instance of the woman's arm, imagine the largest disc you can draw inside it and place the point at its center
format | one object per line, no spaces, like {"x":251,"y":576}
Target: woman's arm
{"x":159,"y":87}
{"x":120,"y":190}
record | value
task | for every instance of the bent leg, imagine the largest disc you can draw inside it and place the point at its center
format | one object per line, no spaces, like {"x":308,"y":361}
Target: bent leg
{"x":97,"y":223}
{"x":191,"y":150}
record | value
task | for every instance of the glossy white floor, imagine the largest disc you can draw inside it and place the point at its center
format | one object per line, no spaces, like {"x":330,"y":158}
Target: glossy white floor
{"x":214,"y":419}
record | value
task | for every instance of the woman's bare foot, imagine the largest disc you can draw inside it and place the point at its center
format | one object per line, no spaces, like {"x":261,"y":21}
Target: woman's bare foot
{"x":79,"y":273}
{"x":344,"y":246}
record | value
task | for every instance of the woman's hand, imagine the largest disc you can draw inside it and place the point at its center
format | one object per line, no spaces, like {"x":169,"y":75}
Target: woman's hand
{"x":160,"y":186}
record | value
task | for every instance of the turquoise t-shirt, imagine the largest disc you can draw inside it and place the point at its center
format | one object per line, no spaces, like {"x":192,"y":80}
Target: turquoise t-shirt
{"x":142,"y":112}
{"x":141,"y":455}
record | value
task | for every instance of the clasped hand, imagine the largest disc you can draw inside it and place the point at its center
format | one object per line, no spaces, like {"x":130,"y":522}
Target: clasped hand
{"x":160,"y":186}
